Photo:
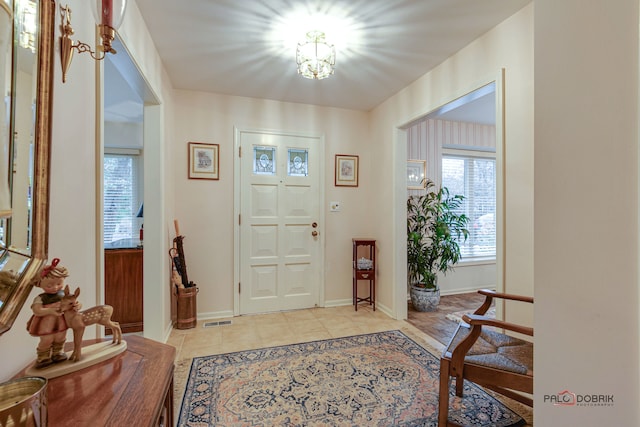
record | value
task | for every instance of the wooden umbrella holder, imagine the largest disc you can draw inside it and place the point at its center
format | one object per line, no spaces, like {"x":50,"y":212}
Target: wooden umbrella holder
{"x":187,"y":312}
{"x":186,"y":291}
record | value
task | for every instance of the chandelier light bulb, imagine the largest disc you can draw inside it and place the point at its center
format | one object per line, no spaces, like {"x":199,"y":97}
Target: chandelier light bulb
{"x":316,"y":58}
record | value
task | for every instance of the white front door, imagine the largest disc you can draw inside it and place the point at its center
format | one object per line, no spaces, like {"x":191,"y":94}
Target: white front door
{"x":280,"y":224}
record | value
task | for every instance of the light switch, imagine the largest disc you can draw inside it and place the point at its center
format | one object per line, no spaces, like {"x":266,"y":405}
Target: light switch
{"x":334,"y":206}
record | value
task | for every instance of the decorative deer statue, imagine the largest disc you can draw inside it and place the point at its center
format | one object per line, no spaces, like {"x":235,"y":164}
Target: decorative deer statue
{"x":78,"y":320}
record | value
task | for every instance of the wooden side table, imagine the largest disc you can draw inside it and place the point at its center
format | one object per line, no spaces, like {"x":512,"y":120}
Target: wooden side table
{"x":364,"y":248}
{"x":134,"y":388}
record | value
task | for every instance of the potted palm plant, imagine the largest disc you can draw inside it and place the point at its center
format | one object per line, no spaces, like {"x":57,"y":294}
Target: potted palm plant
{"x":434,"y":229}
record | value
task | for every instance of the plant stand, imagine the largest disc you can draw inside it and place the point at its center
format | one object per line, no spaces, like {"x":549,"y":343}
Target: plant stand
{"x":368,"y":249}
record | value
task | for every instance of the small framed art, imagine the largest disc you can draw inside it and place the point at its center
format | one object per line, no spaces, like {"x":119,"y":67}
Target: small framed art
{"x":346,"y":171}
{"x":204,"y":160}
{"x":416,"y":172}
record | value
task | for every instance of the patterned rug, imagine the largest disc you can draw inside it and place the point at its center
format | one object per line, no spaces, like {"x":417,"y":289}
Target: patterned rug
{"x":381,"y":379}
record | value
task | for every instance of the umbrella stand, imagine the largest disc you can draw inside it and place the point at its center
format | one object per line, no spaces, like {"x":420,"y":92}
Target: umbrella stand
{"x":185,"y":290}
{"x":180,"y":263}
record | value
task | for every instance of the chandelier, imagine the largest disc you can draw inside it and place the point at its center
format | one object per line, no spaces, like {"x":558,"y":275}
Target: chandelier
{"x":316,"y":58}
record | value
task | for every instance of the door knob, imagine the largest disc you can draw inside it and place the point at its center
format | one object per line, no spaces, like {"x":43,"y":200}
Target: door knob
{"x":314,"y":233}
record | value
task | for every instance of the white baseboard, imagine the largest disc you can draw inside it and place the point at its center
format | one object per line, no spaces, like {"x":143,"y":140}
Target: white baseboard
{"x":215,"y":315}
{"x":338,"y":303}
{"x":167,"y":331}
{"x":327,"y":304}
{"x":386,"y":310}
{"x":342,"y":302}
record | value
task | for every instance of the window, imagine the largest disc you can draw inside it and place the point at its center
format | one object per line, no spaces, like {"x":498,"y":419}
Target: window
{"x":121,"y":197}
{"x":474,"y":177}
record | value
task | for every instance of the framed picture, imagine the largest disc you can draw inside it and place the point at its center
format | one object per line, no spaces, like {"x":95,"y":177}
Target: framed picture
{"x":204,"y":160}
{"x":346,"y":171}
{"x":416,"y":173}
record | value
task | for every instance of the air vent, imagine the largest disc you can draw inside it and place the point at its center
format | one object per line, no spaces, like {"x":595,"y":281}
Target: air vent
{"x":212,"y":324}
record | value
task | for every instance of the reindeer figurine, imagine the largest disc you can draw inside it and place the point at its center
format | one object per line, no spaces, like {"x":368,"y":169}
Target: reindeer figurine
{"x":78,"y":320}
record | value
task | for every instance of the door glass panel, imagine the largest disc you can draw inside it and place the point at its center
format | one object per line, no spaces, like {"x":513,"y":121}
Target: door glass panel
{"x":298,"y":162}
{"x":263,"y":160}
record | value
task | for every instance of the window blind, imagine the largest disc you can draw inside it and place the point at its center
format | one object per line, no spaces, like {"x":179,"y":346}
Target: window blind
{"x":121,"y":201}
{"x":475,"y":179}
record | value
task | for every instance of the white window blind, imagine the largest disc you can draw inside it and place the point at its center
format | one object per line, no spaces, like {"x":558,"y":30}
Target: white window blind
{"x":121,"y":201}
{"x":475,"y":179}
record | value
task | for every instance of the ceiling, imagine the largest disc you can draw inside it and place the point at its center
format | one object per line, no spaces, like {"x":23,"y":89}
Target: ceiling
{"x":247,"y":47}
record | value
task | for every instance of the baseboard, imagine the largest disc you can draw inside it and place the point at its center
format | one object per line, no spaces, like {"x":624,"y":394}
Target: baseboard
{"x":327,"y":304}
{"x":215,"y":315}
{"x":338,"y":303}
{"x":386,"y":310}
{"x":343,"y":302}
{"x":167,"y":331}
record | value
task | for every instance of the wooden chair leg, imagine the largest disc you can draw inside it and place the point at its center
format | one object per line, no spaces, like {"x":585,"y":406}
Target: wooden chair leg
{"x":443,"y":400}
{"x":459,"y":385}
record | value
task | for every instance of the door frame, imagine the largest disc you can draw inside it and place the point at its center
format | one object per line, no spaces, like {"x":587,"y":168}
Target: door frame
{"x":400,"y":291}
{"x":237,"y":187}
{"x":157,"y":323}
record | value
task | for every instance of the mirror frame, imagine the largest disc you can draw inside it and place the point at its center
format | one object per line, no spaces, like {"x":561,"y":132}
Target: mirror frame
{"x":42,"y":149}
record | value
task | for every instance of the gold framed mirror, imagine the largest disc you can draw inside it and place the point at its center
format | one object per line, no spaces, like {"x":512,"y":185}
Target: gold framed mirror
{"x":26,"y":82}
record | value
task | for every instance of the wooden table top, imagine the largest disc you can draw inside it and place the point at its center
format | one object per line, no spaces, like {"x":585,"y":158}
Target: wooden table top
{"x":126,"y":390}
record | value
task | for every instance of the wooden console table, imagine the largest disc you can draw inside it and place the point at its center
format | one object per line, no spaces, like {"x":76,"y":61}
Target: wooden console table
{"x":134,"y":388}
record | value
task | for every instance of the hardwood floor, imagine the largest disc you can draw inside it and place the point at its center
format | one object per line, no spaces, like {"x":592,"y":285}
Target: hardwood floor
{"x":435,"y":323}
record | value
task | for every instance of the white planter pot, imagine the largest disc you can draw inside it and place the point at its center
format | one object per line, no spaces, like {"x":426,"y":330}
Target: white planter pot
{"x":424,"y":299}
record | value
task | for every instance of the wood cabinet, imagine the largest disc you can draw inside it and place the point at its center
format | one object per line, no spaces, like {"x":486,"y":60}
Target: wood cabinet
{"x":134,"y":388}
{"x":123,"y":287}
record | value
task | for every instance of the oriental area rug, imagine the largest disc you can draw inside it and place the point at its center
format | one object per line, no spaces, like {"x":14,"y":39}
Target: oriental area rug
{"x":381,"y":379}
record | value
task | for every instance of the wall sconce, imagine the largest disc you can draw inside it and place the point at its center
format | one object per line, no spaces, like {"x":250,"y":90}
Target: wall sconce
{"x":108,"y":15}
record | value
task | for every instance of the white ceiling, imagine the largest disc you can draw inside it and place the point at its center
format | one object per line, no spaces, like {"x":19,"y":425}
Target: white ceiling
{"x":232,"y":46}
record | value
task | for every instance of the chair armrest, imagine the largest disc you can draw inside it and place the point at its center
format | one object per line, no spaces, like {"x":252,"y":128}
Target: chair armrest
{"x":477,"y":320}
{"x":494,"y":294}
{"x":489,"y":295}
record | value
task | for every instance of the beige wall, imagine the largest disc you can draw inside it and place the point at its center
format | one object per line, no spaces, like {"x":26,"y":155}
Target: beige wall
{"x":71,"y":212}
{"x":508,"y":46}
{"x":368,"y":211}
{"x":205,"y":209}
{"x":587,"y":296}
{"x":74,"y":191}
{"x":586,"y":210}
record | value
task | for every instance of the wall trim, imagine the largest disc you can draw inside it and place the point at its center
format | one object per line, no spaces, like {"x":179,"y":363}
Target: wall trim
{"x":399,"y":210}
{"x":215,"y":315}
{"x":338,"y":302}
{"x":348,"y":301}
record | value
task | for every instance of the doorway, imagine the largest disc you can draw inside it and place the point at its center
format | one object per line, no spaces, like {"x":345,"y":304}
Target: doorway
{"x":280,"y":238}
{"x":495,"y":112}
{"x":125,"y":97}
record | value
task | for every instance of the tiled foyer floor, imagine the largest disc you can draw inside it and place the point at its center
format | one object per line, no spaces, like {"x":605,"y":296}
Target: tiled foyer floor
{"x":267,"y":330}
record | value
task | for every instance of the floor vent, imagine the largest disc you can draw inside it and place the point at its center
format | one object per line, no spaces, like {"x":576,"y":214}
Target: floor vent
{"x":212,"y":324}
